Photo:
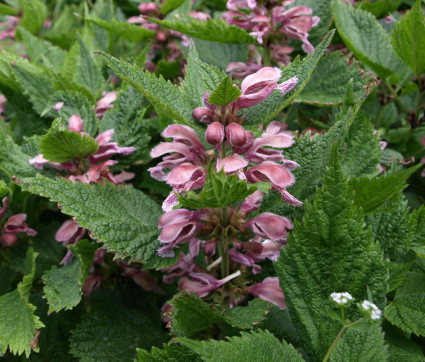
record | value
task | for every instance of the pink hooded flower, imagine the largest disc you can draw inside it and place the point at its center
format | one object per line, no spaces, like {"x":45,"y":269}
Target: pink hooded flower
{"x":69,"y":233}
{"x":241,"y":70}
{"x":266,"y":249}
{"x":214,"y":134}
{"x":242,"y":259}
{"x":270,"y":226}
{"x":270,"y":291}
{"x":252,"y":202}
{"x":91,"y":283}
{"x":231,"y":164}
{"x":105,"y":103}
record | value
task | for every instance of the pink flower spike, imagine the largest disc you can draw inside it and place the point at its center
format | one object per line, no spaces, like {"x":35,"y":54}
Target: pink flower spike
{"x":270,"y":171}
{"x":75,"y":123}
{"x":179,"y":232}
{"x":16,"y":225}
{"x":185,"y":135}
{"x":231,"y":164}
{"x":270,"y":226}
{"x":214,"y":134}
{"x":187,"y":177}
{"x":270,"y":291}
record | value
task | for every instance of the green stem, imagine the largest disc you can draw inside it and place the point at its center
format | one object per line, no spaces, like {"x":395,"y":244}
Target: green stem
{"x":418,"y":105}
{"x":267,"y":62}
{"x":396,"y":98}
{"x":222,"y":246}
{"x":339,"y":335}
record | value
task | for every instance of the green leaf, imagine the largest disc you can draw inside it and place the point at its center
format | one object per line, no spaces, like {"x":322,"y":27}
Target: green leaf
{"x":363,"y":151}
{"x":122,"y":217}
{"x":124,"y":29}
{"x":87,"y":73}
{"x":373,"y":194}
{"x":398,"y":273}
{"x":407,"y":310}
{"x":225,"y":93}
{"x":219,"y":191}
{"x":250,"y":347}
{"x":330,"y":79}
{"x":18,"y":323}
{"x":75,"y":103}
{"x":171,"y":352}
{"x":126,"y":119}
{"x":367,"y":345}
{"x":330,"y":251}
{"x":170,"y":5}
{"x":106,"y":333}
{"x":164,"y":96}
{"x":409,"y":38}
{"x":212,"y":29}
{"x":60,"y":145}
{"x":35,"y":14}
{"x":401,"y":347}
{"x":269,"y":108}
{"x":417,"y":227}
{"x":63,"y":285}
{"x":381,"y":8}
{"x":249,"y":316}
{"x":365,"y":37}
{"x":8,"y":10}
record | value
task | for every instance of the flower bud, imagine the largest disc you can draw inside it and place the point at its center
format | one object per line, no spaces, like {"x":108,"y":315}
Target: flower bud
{"x":235,"y":134}
{"x":214,"y":134}
{"x":209,"y":247}
{"x":75,"y":123}
{"x":202,"y":115}
{"x":161,"y":37}
{"x":146,"y":8}
{"x":9,"y":239}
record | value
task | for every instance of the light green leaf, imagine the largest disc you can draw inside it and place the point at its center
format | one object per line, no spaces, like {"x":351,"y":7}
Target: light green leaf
{"x":18,"y":323}
{"x":106,"y":333}
{"x":409,"y":38}
{"x":35,"y":14}
{"x":367,"y":345}
{"x":63,"y":285}
{"x":330,"y":251}
{"x":269,"y":108}
{"x":249,"y":316}
{"x":417,"y":227}
{"x":330,"y":79}
{"x":124,"y":29}
{"x":87,"y":73}
{"x":365,"y":37}
{"x":381,"y":8}
{"x":164,"y":96}
{"x":122,"y":217}
{"x":250,"y":347}
{"x":225,"y":93}
{"x":374,"y":194}
{"x":407,"y":310}
{"x":170,"y":5}
{"x":170,"y":352}
{"x":212,"y":29}
{"x":8,"y":10}
{"x":61,"y":145}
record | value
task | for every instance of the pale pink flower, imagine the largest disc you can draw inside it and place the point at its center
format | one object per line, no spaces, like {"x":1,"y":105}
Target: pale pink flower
{"x":91,"y":283}
{"x":270,"y":291}
{"x":105,"y":103}
{"x":270,"y":226}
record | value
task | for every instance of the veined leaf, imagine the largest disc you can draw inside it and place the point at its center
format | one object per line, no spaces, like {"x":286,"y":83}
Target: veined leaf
{"x":124,"y":29}
{"x":407,"y":310}
{"x":381,"y":7}
{"x":417,"y":227}
{"x":35,"y":14}
{"x":121,"y":217}
{"x":8,"y":10}
{"x":212,"y":29}
{"x":330,"y":251}
{"x":170,"y":352}
{"x":365,"y":37}
{"x":61,"y":145}
{"x":250,"y":347}
{"x":401,"y":347}
{"x":18,"y":323}
{"x":170,"y":5}
{"x":164,"y":96}
{"x":409,"y":38}
{"x":249,"y":316}
{"x":225,"y":93}
{"x":266,"y":110}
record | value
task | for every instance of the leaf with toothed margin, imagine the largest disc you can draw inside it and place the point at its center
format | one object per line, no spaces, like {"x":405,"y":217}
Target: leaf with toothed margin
{"x":269,"y":108}
{"x":225,"y":93}
{"x":123,"y":218}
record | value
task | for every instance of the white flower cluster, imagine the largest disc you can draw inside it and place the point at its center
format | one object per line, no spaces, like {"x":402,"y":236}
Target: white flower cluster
{"x":376,"y":313}
{"x":341,"y":298}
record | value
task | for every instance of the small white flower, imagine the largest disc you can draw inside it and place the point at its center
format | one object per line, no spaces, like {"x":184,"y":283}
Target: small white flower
{"x":375,"y":312}
{"x":341,"y":298}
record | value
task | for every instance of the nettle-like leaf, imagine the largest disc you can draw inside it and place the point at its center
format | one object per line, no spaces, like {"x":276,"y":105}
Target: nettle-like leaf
{"x":35,"y":14}
{"x":200,"y":78}
{"x":170,"y":5}
{"x":269,"y":108}
{"x":330,"y":251}
{"x":366,"y":346}
{"x":365,"y":37}
{"x":8,"y":10}
{"x":61,"y":145}
{"x":409,"y":38}
{"x":121,"y":217}
{"x":401,"y":347}
{"x":225,"y":93}
{"x":249,"y":316}
{"x":330,"y":80}
{"x":63,"y":285}
{"x":374,"y":195}
{"x":362,"y":149}
{"x":164,"y":96}
{"x":407,"y":310}
{"x":108,"y":334}
{"x":417,"y":231}
{"x":249,"y":347}
{"x":171,"y":352}
{"x":212,"y":29}
{"x":18,"y":323}
{"x":124,"y":29}
{"x":87,"y":73}
{"x":75,"y":103}
{"x":126,"y":119}
{"x":381,"y":7}
{"x":220,"y":190}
